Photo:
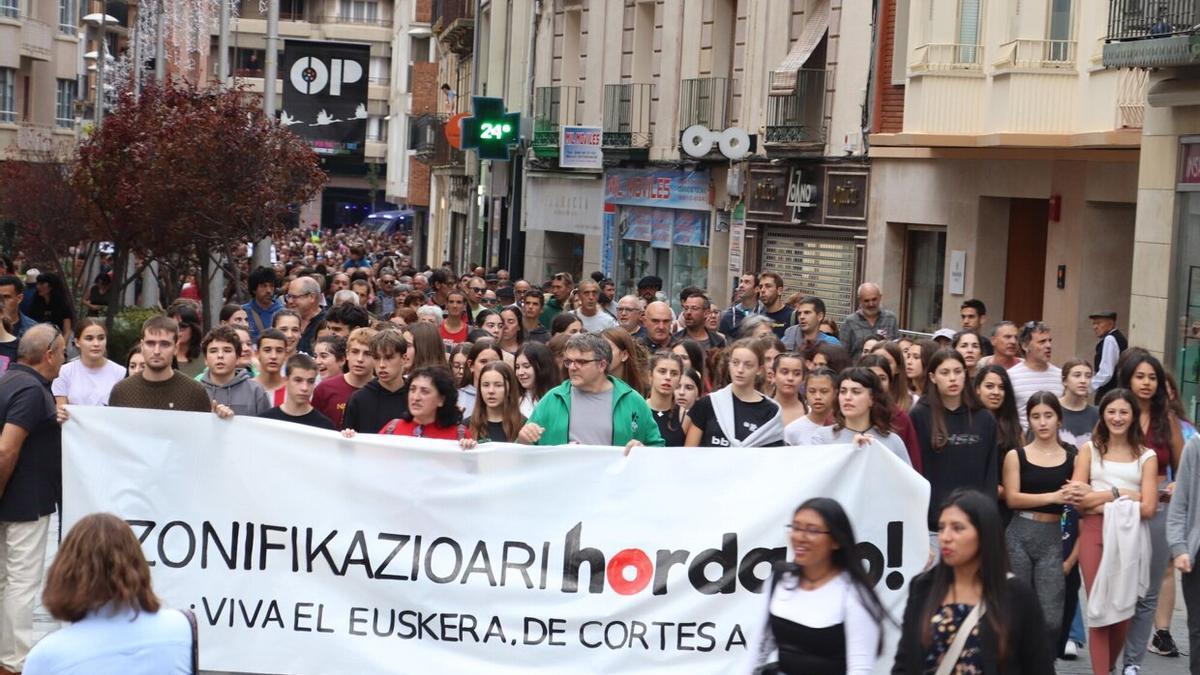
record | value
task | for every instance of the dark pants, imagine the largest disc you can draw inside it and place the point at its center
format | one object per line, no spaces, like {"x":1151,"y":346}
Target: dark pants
{"x":1070,"y":605}
{"x":1190,"y":584}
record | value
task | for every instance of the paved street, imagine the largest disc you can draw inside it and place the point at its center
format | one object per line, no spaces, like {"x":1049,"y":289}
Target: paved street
{"x":1154,"y":664}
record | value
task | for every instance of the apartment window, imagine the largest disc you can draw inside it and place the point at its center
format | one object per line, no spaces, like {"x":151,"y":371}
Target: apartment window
{"x":419,"y":51}
{"x":8,"y":95}
{"x":67,"y":20}
{"x":1058,"y":30}
{"x":291,"y":10}
{"x":10,"y":8}
{"x":376,"y":128}
{"x":969,"y":18}
{"x":380,"y":70}
{"x":64,"y":109}
{"x":363,"y":11}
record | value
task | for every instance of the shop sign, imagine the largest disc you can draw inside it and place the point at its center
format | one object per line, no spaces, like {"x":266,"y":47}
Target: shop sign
{"x":767,"y":197}
{"x":846,"y":195}
{"x":654,"y":187}
{"x":579,"y":148}
{"x":737,"y":239}
{"x":1189,"y":170}
{"x":801,"y":194}
{"x":565,"y":205}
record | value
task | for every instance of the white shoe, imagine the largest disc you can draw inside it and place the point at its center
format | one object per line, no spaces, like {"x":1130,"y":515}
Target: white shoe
{"x":1070,"y":651}
{"x":1131,"y":670}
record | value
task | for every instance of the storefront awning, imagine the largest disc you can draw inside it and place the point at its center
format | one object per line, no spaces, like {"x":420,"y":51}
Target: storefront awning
{"x":784,"y":77}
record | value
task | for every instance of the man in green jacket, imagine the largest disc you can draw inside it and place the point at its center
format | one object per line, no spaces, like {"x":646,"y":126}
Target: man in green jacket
{"x":591,"y":408}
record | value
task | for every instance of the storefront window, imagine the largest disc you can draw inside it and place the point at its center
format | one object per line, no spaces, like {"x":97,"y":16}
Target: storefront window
{"x":670,"y":244}
{"x":1188,"y":264}
{"x":924,"y":270}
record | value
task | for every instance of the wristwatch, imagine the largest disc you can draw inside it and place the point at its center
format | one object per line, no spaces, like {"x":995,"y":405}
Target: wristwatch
{"x":1116,"y":494}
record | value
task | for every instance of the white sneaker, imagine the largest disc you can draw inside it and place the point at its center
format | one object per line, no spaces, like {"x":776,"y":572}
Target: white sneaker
{"x":1131,"y":670}
{"x":1070,"y":651}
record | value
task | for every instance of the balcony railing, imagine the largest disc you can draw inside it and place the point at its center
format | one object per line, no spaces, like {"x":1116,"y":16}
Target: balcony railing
{"x":936,"y":57}
{"x":799,"y":118}
{"x":430,"y":145}
{"x":1137,"y":19}
{"x":1024,"y":53}
{"x":627,"y":115}
{"x":454,"y":24}
{"x":553,"y":107}
{"x":705,"y":100}
{"x":356,"y":20}
{"x":1131,"y":97}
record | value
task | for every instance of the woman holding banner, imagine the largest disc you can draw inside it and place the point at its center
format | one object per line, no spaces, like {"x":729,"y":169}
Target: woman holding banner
{"x":100,"y":583}
{"x":432,"y":407}
{"x":967,"y":614}
{"x":738,"y":415}
{"x":823,"y":616}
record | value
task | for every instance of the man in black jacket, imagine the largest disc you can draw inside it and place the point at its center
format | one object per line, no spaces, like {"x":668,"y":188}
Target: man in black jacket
{"x":382,"y":399}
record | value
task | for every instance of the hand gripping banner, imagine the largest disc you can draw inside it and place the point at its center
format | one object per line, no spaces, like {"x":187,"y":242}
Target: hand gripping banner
{"x":302,"y":551}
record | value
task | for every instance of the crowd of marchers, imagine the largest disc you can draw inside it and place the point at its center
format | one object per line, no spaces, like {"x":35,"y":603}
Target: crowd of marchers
{"x":1042,"y":477}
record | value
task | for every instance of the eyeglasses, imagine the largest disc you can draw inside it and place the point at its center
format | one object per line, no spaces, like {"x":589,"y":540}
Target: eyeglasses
{"x":806,"y":531}
{"x":289,"y":297}
{"x":489,"y":301}
{"x":478,"y":290}
{"x":571,"y":363}
{"x":627,"y":309}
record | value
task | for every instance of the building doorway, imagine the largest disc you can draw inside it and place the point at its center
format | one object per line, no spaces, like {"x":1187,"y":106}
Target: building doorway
{"x":924,"y":272}
{"x":1025,"y":271}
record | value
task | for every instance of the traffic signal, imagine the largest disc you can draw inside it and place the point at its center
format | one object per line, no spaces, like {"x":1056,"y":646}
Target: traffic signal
{"x":492,"y":129}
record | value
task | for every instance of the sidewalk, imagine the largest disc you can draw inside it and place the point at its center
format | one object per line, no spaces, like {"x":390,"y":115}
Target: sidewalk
{"x":1154,"y":664}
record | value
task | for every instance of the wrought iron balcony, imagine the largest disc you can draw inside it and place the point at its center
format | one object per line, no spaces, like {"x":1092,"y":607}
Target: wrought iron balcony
{"x":454,"y":24}
{"x":798,"y":120}
{"x":1151,"y":33}
{"x":430,"y":144}
{"x":627,"y":116}
{"x":705,"y":100}
{"x":553,"y":107}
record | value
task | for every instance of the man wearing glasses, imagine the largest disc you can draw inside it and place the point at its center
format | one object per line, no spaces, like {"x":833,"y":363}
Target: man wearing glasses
{"x":30,"y":477}
{"x":629,"y":315}
{"x":302,"y":296}
{"x":591,"y":407}
{"x":476,"y":288}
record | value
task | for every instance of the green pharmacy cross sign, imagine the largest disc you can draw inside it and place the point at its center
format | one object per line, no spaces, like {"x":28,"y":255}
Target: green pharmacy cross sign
{"x":492,"y":129}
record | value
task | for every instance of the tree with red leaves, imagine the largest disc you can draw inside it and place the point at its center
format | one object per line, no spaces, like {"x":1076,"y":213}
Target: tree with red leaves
{"x":185,"y":173}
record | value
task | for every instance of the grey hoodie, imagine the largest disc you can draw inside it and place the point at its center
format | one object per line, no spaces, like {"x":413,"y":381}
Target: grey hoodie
{"x":242,"y":393}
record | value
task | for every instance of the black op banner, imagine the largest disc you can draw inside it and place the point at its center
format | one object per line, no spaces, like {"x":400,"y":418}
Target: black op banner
{"x":325,"y":95}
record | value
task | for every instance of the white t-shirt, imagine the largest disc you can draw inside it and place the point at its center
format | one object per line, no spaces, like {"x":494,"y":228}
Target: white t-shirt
{"x":597,"y":322}
{"x":800,"y":432}
{"x":1026,"y":382}
{"x":827,"y":436}
{"x":86,"y":386}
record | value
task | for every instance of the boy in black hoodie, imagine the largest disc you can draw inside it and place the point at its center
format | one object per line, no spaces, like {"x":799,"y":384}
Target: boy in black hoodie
{"x":384,"y":398}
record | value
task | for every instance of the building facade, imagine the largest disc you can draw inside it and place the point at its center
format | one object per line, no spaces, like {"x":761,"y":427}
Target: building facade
{"x":1165,"y":288}
{"x":1004,"y":165}
{"x":354,"y":190}
{"x":607,"y":179}
{"x":40,"y":62}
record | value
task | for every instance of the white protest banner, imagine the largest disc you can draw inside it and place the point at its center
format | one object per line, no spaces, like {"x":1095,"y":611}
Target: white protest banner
{"x":302,"y":551}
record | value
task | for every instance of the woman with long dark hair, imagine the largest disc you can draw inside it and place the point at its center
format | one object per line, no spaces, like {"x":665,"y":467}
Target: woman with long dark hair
{"x":52,"y":303}
{"x":823,"y":616}
{"x":1115,"y":464}
{"x":958,"y":440}
{"x":970,"y":345}
{"x":902,"y":397}
{"x":1037,"y":487}
{"x":512,"y":336}
{"x":1142,"y":374}
{"x":537,"y":372}
{"x":916,"y":363}
{"x":483,"y":352}
{"x":966,"y":615}
{"x":187,"y":346}
{"x":787,"y":371}
{"x":819,"y":395}
{"x":862,"y":413}
{"x":666,"y":369}
{"x":427,"y":346}
{"x":693,"y":354}
{"x":994,"y":391}
{"x":882,"y":365}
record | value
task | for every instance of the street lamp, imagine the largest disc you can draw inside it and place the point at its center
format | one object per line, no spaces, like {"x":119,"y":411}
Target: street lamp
{"x":99,"y":20}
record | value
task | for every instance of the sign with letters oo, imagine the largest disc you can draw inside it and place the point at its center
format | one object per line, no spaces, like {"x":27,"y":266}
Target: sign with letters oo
{"x":302,"y":551}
